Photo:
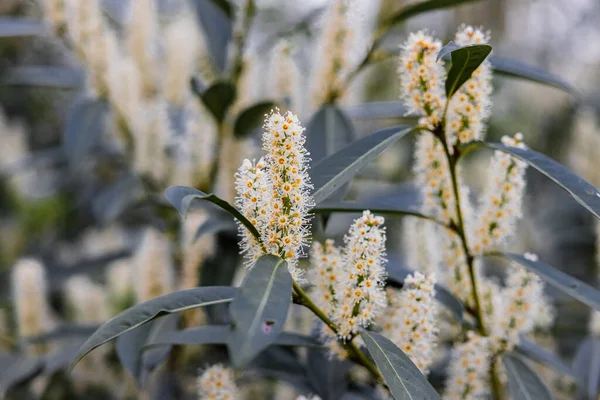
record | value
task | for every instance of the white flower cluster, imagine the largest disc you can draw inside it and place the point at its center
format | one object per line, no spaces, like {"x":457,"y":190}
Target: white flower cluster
{"x":409,"y":319}
{"x":87,"y":300}
{"x":422,"y":78}
{"x":326,"y":261}
{"x":274,"y":193}
{"x":470,"y":107}
{"x":501,"y":202}
{"x":217,"y":383}
{"x":354,"y":276}
{"x":469,"y":369}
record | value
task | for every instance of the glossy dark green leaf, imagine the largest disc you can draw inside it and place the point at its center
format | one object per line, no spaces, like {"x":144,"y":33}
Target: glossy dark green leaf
{"x":517,"y":69}
{"x":110,"y":203}
{"x":215,"y":225}
{"x":19,"y":27}
{"x":583,"y":192}
{"x":465,"y":60}
{"x":282,"y":364}
{"x":422,"y":7}
{"x":402,"y":377}
{"x":182,"y":196}
{"x":218,"y":98}
{"x":217,"y":334}
{"x":328,"y":375}
{"x":215,"y":19}
{"x":252,"y":118}
{"x":536,"y":353}
{"x":84,"y":128}
{"x":21,"y":369}
{"x":524,"y":384}
{"x":563,"y":282}
{"x":396,"y":273}
{"x":60,"y":359}
{"x":331,"y":173}
{"x":327,"y":132}
{"x":129,"y":347}
{"x":586,"y":367}
{"x":151,"y":309}
{"x":48,"y":77}
{"x":259,"y":309}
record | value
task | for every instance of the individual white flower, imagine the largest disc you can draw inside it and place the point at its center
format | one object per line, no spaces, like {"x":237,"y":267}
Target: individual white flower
{"x":502,"y":199}
{"x":409,"y":319}
{"x":470,"y":106}
{"x":274,"y":194}
{"x":217,"y":383}
{"x":469,"y":368}
{"x":359,"y":293}
{"x":154,"y":266}
{"x":327,"y":263}
{"x":29,"y":288}
{"x":422,"y":78}
{"x":87,"y":300}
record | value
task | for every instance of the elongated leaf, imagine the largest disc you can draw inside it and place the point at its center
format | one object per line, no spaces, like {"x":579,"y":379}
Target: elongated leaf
{"x":215,"y":225}
{"x":49,"y":77}
{"x":524,"y":384}
{"x":60,"y":360}
{"x":402,"y":377}
{"x":518,"y":69}
{"x":218,"y":29}
{"x":445,"y":51}
{"x":182,"y":196}
{"x":328,"y":375}
{"x":64,"y":331}
{"x":332,"y":172}
{"x":217,"y":334}
{"x":19,"y":27}
{"x":397,"y":273}
{"x":583,"y":192}
{"x":282,"y":364}
{"x":536,"y":353}
{"x":259,"y":309}
{"x":84,"y":127}
{"x":586,"y":367}
{"x":110,"y":203}
{"x":565,"y":283}
{"x":465,"y":60}
{"x":147,"y":311}
{"x":377,"y":109}
{"x":218,"y":98}
{"x":21,"y":369}
{"x":251,"y":118}
{"x":328,"y":131}
{"x":422,"y":7}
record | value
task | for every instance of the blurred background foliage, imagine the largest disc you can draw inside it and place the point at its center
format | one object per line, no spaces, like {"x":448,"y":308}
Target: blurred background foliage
{"x":82,"y":211}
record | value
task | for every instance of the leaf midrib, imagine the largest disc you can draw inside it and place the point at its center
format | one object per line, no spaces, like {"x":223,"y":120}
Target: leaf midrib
{"x":392,"y":366}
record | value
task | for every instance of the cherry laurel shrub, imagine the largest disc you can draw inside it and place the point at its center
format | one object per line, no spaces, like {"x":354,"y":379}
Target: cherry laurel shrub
{"x":309,"y":315}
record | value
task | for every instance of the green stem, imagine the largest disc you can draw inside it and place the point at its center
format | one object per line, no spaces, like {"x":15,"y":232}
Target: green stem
{"x":352,"y":348}
{"x":496,"y":384}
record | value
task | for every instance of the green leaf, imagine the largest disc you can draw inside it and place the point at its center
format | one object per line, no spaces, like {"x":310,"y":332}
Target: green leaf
{"x":182,"y":196}
{"x":524,"y":384}
{"x":60,"y":360}
{"x":563,"y":282}
{"x":465,"y":60}
{"x":517,"y":69}
{"x":332,"y":172}
{"x":48,"y":77}
{"x":84,"y":128}
{"x":328,"y":375}
{"x":20,"y":369}
{"x":19,"y":27}
{"x":217,"y":334}
{"x":378,"y":109}
{"x":215,"y":18}
{"x":213,"y":226}
{"x":151,"y":309}
{"x":396,"y":273}
{"x":251,"y":118}
{"x":422,"y":7}
{"x":402,"y":377}
{"x":217,"y":98}
{"x":536,"y":353}
{"x":113,"y":200}
{"x":586,"y":367}
{"x":583,"y":192}
{"x":259,"y":309}
{"x":328,"y":131}
{"x":63,"y":331}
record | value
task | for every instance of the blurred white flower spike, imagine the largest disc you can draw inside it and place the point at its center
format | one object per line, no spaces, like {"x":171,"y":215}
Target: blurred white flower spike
{"x":274,"y":193}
